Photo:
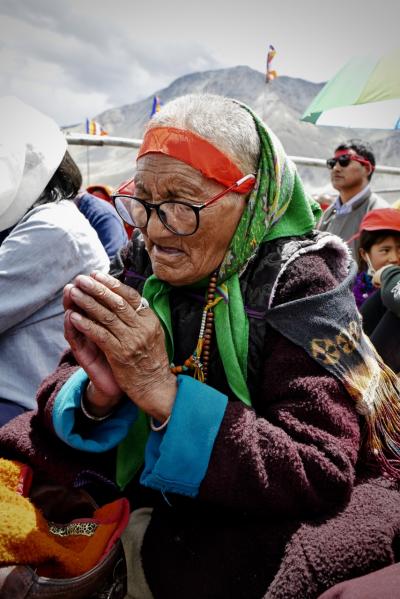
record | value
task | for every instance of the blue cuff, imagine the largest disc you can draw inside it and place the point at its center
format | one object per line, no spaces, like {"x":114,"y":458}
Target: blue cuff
{"x":105,"y":435}
{"x":177,"y":458}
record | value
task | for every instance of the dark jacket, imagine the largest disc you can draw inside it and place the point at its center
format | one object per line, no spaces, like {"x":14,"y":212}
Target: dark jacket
{"x":283,"y":466}
{"x":381,"y":317}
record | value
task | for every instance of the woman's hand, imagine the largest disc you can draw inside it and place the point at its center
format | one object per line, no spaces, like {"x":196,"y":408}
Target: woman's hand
{"x":103,"y":392}
{"x":121,"y":350}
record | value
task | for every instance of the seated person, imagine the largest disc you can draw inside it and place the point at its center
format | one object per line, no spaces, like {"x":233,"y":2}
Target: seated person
{"x":45,"y":243}
{"x":104,"y":220}
{"x":205,"y":378}
{"x":379,"y":236}
{"x":104,"y":193}
{"x":379,"y":245}
{"x":382,"y":315}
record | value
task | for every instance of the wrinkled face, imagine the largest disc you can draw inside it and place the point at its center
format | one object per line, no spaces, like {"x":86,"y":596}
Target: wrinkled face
{"x":352,"y":177}
{"x":384,"y":252}
{"x":185,"y":260}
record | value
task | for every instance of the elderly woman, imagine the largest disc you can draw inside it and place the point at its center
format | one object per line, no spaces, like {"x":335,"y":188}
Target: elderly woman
{"x":220,"y":369}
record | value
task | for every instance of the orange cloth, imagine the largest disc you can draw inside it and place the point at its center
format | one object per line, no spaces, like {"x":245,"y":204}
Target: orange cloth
{"x":27,"y":538}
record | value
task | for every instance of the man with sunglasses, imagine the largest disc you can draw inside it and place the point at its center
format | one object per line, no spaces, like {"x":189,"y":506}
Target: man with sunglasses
{"x":351,"y":168}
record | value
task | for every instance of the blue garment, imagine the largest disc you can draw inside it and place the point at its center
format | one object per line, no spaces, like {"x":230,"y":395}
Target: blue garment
{"x":105,"y":220}
{"x":177,"y":457}
{"x":9,"y":410}
{"x":107,"y":434}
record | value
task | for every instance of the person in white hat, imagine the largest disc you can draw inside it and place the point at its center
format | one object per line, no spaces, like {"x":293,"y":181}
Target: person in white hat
{"x":45,"y":242}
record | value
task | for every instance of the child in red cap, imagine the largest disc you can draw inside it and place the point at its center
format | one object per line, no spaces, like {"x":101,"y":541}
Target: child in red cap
{"x":377,"y":286}
{"x":379,"y":235}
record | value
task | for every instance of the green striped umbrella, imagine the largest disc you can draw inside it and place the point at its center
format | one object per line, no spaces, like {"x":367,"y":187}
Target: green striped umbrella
{"x":364,"y":93}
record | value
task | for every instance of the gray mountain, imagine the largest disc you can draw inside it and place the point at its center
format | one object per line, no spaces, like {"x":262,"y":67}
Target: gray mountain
{"x":280,"y":104}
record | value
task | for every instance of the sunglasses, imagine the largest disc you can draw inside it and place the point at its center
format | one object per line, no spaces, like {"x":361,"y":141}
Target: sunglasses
{"x":344,"y":160}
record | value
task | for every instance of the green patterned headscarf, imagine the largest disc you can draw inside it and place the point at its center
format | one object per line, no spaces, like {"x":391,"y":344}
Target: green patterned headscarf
{"x":277,"y":207}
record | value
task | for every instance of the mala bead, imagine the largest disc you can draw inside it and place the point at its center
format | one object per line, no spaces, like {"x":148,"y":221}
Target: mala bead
{"x":201,"y":355}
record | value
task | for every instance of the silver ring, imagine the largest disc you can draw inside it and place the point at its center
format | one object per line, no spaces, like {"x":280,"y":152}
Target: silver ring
{"x":143,"y":304}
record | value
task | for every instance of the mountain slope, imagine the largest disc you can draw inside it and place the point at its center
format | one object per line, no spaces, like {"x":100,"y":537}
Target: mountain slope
{"x":279,"y":103}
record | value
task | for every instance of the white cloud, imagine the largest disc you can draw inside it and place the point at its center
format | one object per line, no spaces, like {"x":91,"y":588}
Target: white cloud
{"x":63,"y":55}
{"x":74,"y":58}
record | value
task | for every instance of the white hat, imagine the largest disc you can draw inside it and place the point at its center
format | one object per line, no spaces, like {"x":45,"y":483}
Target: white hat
{"x":31,"y":149}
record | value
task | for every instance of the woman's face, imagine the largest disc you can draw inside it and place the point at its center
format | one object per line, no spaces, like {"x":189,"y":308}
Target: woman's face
{"x":386,"y":251}
{"x":184,"y":260}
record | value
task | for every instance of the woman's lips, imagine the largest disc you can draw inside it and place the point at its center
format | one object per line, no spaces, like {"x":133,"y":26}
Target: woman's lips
{"x":164,"y":250}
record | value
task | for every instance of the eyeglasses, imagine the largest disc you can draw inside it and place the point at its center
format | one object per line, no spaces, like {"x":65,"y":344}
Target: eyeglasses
{"x":178,"y":216}
{"x":344,"y":160}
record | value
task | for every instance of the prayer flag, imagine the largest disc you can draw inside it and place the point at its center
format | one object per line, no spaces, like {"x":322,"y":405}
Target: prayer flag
{"x":94,"y":128}
{"x":365,"y":93}
{"x":157,"y":103}
{"x":270,"y":74}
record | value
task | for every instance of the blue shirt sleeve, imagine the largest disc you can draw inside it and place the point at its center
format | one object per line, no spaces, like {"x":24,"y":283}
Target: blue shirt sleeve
{"x":177,"y":458}
{"x":106,"y":434}
{"x":105,"y":220}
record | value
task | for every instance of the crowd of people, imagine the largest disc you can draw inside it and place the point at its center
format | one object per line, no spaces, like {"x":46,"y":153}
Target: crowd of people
{"x":208,"y":358}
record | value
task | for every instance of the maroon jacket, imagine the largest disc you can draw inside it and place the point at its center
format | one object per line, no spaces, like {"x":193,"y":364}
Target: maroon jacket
{"x":276,"y":470}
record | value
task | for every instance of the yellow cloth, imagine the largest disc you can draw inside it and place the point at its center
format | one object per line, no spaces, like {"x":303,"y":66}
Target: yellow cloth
{"x":55,"y":550}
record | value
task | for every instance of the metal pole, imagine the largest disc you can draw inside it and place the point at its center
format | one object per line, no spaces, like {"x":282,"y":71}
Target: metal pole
{"x":87,"y":166}
{"x":83,"y":139}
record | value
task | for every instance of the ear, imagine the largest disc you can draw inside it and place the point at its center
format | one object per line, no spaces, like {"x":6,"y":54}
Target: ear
{"x":368,"y":168}
{"x":363,"y":254}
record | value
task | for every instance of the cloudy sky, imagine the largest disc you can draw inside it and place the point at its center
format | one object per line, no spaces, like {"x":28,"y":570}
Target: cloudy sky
{"x":74,"y":58}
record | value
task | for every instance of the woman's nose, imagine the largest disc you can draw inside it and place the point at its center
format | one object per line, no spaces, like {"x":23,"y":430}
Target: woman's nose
{"x":154,"y":225}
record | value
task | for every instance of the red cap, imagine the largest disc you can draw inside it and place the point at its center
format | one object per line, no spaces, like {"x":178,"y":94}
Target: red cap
{"x":102,"y":191}
{"x":379,"y":219}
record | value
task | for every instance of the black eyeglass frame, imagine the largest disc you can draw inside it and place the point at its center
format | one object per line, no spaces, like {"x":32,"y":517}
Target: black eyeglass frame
{"x":148,"y":206}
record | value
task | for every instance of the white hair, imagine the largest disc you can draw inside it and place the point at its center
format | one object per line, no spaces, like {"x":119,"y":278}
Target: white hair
{"x":220,"y":120}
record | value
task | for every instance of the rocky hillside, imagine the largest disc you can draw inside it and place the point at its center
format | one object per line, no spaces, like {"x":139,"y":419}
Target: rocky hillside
{"x":280,"y":104}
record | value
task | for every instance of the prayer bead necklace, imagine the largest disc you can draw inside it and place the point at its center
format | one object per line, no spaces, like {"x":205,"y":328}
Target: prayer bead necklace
{"x":198,"y":361}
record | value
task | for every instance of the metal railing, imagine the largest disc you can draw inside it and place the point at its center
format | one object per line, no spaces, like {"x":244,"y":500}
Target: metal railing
{"x":84,"y":139}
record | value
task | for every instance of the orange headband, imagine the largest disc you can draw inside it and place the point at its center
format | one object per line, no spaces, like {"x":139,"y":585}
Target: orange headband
{"x":195,"y":151}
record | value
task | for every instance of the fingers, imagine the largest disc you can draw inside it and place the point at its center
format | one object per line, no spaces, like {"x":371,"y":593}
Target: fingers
{"x":93,"y":331}
{"x":67,"y":301}
{"x":130,"y":295}
{"x":106,"y":303}
{"x":104,"y":313}
{"x":91,"y":310}
{"x":72,"y":335}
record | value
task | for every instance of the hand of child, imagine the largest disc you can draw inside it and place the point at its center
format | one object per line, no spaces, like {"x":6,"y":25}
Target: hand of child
{"x":376,"y":279}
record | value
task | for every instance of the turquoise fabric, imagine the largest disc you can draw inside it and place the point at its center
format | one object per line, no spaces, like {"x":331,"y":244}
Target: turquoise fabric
{"x":106,"y":434}
{"x":176,"y":458}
